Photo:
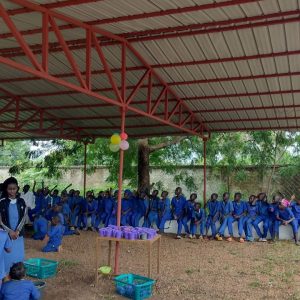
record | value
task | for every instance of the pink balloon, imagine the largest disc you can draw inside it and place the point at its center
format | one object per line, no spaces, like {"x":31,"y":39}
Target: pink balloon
{"x":124,"y":145}
{"x":124,"y":136}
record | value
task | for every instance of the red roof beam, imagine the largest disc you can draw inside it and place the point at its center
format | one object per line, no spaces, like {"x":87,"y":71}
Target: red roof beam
{"x":177,"y":83}
{"x":108,"y":117}
{"x":229,"y":24}
{"x":173,"y":32}
{"x":77,"y":23}
{"x":57,"y":4}
{"x":170,"y":65}
{"x":285,"y":128}
{"x":160,"y":13}
{"x":252,"y":120}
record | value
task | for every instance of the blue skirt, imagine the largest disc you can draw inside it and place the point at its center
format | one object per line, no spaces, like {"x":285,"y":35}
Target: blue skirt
{"x":17,"y":254}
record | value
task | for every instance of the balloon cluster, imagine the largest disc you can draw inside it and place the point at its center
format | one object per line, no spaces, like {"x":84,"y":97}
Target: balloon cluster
{"x":119,"y":141}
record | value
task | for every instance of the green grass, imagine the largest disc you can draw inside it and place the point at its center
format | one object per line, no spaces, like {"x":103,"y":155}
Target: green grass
{"x":64,"y":263}
{"x":255,"y":284}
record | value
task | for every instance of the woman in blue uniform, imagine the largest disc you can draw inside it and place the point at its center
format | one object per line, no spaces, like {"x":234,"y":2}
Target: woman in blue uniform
{"x":13,"y":213}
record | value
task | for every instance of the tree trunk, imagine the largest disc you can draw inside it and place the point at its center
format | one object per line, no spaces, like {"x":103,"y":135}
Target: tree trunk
{"x":143,"y":165}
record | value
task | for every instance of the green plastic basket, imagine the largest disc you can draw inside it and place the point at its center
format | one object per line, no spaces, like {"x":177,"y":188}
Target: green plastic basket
{"x":134,"y":286}
{"x":41,"y":268}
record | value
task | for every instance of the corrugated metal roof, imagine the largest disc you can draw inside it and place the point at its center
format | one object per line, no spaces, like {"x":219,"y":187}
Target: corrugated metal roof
{"x":239,"y":78}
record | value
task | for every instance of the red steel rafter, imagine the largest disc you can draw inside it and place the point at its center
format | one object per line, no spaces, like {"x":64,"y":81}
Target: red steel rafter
{"x":19,"y":124}
{"x":175,"y":32}
{"x":55,"y":5}
{"x":83,"y":86}
{"x":182,"y":83}
{"x":159,"y":13}
{"x":171,"y":65}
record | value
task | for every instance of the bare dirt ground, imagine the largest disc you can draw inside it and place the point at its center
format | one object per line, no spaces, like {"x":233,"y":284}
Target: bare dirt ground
{"x":190,"y":269}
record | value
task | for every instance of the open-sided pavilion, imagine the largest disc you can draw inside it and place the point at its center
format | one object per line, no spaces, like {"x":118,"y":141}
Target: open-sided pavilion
{"x":82,"y":69}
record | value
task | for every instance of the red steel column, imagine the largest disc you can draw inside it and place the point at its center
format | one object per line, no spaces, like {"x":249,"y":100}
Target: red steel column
{"x":84,"y":169}
{"x":120,"y":184}
{"x":204,"y":170}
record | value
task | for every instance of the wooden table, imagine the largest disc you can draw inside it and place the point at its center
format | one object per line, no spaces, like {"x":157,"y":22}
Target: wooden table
{"x":147,"y":243}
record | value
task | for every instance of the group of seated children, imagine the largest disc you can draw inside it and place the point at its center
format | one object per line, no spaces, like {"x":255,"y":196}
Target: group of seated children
{"x":70,"y":212}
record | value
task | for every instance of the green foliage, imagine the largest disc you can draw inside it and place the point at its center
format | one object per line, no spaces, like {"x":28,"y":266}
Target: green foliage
{"x":230,"y":152}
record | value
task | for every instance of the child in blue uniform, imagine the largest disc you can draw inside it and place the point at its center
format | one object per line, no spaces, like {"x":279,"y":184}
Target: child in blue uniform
{"x":17,"y":288}
{"x":13,"y":213}
{"x":64,"y":222}
{"x":251,"y":215}
{"x":88,"y":210}
{"x":54,"y":236}
{"x":213,"y":214}
{"x":295,"y":206}
{"x":238,"y":215}
{"x":109,"y":202}
{"x":74,"y":201}
{"x":5,"y":246}
{"x":188,"y":212}
{"x":178,"y":205}
{"x":113,"y":216}
{"x":55,"y":198}
{"x":273,"y":207}
{"x":40,"y":226}
{"x":138,"y":209}
{"x":100,"y":215}
{"x":198,"y":219}
{"x":284,"y":217}
{"x":226,"y":210}
{"x":153,"y":209}
{"x":263,"y":216}
{"x":164,"y":210}
{"x":126,"y":209}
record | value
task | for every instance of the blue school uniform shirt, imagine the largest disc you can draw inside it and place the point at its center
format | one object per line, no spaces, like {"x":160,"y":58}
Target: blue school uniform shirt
{"x":154,"y":204}
{"x":19,"y":290}
{"x":263,"y":208}
{"x":108,"y":205}
{"x":251,"y":210}
{"x":239,"y":208}
{"x":90,"y":206}
{"x":285,"y":214}
{"x":226,"y":208}
{"x":189,"y":208}
{"x":42,"y":224}
{"x":61,"y":218}
{"x":273,"y":207}
{"x":199,"y":214}
{"x":5,"y":243}
{"x":164,"y":206}
{"x":66,"y":211}
{"x":296,"y":210}
{"x":74,"y":201}
{"x":56,"y":200}
{"x":100,"y":204}
{"x":41,"y":203}
{"x":136,"y":207}
{"x":178,"y":205}
{"x":126,"y":204}
{"x":213,"y":208}
{"x":55,"y":234}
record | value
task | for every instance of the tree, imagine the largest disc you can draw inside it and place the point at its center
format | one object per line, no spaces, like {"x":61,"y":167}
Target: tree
{"x":230,"y":152}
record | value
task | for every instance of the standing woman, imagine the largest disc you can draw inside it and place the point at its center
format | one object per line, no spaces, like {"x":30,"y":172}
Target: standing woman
{"x":13,"y":213}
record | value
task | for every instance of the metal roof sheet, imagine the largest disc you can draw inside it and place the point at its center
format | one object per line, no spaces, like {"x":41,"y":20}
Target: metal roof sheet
{"x":243,"y":75}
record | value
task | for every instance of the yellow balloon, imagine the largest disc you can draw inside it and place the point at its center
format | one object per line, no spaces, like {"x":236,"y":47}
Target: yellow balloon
{"x":115,"y":139}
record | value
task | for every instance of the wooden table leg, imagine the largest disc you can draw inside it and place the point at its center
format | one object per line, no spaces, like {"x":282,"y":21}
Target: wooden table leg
{"x":149,"y":259}
{"x":158,"y":255}
{"x":109,"y":253}
{"x":97,"y":262}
